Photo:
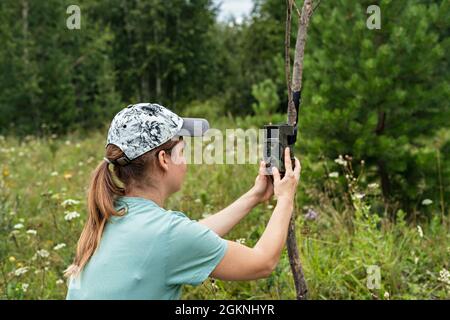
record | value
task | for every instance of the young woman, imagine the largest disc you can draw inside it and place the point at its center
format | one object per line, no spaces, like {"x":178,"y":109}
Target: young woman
{"x":133,"y":248}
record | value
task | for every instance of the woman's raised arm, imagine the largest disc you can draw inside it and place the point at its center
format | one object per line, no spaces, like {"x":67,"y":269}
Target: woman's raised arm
{"x":243,"y":263}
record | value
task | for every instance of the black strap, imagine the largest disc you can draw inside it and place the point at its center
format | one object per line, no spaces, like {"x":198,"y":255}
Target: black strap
{"x":297,"y":98}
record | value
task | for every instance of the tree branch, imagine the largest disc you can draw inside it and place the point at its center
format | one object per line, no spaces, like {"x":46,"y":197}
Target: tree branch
{"x":304,"y":17}
{"x":287,"y":47}
{"x":297,"y":73}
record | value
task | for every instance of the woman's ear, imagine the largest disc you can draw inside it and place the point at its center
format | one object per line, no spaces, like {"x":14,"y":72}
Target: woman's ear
{"x":163,"y":160}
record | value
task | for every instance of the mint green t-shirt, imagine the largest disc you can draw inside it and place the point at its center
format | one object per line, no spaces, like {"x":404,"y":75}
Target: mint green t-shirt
{"x":149,"y":253}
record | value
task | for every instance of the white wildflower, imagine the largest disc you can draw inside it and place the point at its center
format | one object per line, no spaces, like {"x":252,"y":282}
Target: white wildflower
{"x":359,"y":195}
{"x":54,"y":173}
{"x":20,"y":271}
{"x":386,"y":295}
{"x":420,"y":231}
{"x":427,"y":202}
{"x":25,"y":287}
{"x":444,"y":276}
{"x":214,"y":285}
{"x":373,"y":185}
{"x":269,"y":206}
{"x":69,"y":202}
{"x":31,"y":231}
{"x":43,"y":253}
{"x":59,"y":281}
{"x":240,"y":240}
{"x":18,"y":226}
{"x":70,"y":215}
{"x":333,"y":174}
{"x":197,"y":200}
{"x":340,"y":161}
{"x":59,"y":246}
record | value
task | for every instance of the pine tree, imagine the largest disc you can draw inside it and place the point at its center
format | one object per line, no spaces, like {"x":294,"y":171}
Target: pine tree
{"x":373,"y":93}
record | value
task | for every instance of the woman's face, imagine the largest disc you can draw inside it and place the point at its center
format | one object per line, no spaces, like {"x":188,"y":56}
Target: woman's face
{"x":177,"y":166}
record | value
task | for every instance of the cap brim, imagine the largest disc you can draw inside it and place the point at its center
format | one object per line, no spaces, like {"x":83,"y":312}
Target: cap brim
{"x":193,"y":127}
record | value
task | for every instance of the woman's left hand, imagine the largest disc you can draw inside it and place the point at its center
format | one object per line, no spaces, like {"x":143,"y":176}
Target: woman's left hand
{"x":263,"y":188}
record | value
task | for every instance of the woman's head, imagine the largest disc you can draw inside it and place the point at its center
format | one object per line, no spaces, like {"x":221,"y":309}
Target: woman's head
{"x":161,"y":168}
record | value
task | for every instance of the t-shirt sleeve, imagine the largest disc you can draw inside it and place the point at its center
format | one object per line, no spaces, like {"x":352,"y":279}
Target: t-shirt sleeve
{"x":194,"y":251}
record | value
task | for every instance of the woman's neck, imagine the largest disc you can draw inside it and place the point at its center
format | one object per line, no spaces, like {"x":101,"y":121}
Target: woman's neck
{"x":154,"y":195}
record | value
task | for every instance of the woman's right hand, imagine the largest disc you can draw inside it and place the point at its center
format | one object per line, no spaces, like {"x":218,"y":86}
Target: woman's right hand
{"x":286,"y":187}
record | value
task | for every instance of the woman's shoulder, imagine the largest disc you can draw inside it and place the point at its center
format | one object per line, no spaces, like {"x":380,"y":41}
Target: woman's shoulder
{"x":178,"y":214}
{"x":145,"y":208}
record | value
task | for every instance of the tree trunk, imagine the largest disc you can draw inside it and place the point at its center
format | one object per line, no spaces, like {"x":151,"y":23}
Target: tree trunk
{"x":382,"y":171}
{"x":25,"y":9}
{"x":301,"y":287}
{"x":29,"y":76}
{"x":157,"y":70}
{"x":291,"y":242}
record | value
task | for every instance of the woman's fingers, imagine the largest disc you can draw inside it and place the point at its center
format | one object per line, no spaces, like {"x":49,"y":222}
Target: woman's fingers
{"x":297,"y":169}
{"x":287,"y":161}
{"x":262,"y":166}
{"x":276,"y":175}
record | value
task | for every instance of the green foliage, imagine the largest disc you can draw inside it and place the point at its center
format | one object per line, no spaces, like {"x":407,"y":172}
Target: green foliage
{"x":378,"y":95}
{"x":211,"y":109}
{"x":58,"y":78}
{"x":266,"y":95}
{"x":375,"y":94}
{"x":163,"y":50}
{"x":128,"y":51}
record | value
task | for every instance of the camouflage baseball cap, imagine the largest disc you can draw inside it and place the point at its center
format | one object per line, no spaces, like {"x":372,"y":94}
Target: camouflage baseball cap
{"x":142,"y":127}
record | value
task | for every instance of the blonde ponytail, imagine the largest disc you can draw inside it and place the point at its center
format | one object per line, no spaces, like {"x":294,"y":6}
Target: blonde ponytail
{"x":102,"y":193}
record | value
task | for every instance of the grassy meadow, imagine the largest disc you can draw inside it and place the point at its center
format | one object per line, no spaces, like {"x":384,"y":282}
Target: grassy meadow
{"x":341,"y":229}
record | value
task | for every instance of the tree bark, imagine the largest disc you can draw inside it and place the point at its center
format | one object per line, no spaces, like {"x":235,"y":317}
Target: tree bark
{"x":291,"y":242}
{"x":297,"y":72}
